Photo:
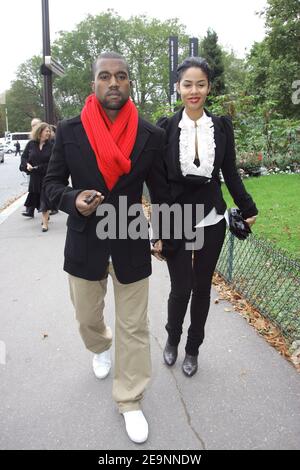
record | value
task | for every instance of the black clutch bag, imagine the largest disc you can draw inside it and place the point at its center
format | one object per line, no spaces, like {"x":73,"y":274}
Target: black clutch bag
{"x":237,"y":225}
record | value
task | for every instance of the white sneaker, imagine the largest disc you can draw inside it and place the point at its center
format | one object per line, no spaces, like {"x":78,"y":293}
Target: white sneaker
{"x":136,"y":426}
{"x":102,"y":364}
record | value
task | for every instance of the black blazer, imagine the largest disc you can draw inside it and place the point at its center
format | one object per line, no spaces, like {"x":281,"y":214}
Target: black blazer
{"x":39,"y":159}
{"x":199,"y":189}
{"x":86,"y":256}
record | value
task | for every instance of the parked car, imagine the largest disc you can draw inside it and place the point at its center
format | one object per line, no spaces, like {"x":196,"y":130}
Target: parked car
{"x":9,"y":148}
{"x":1,"y":154}
{"x":6,"y":148}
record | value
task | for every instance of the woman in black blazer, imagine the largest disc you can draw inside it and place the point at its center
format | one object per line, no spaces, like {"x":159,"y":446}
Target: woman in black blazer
{"x":34,"y":162}
{"x":199,"y":145}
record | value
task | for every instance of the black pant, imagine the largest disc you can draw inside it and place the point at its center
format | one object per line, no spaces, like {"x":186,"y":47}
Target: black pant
{"x":194,"y":276}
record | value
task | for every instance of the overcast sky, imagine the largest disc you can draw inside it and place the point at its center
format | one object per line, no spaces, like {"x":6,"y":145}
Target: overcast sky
{"x":21,"y":30}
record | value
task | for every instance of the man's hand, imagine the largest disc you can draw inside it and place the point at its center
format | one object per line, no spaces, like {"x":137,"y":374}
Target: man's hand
{"x":156,"y":250}
{"x":83,"y":207}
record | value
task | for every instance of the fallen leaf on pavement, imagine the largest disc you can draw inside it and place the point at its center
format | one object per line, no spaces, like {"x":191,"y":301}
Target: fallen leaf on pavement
{"x":263,"y":326}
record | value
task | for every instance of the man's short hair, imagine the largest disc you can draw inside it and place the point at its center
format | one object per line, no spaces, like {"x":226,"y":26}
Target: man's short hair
{"x":109,"y":55}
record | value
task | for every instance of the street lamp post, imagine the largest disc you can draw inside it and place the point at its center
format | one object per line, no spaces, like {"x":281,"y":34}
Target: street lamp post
{"x":3,"y":101}
{"x":46,"y":72}
{"x":193,"y":47}
{"x":6,"y":120}
{"x":173,"y":63}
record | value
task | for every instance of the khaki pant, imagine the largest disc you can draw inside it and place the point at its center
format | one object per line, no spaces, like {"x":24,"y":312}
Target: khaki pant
{"x":132,"y":368}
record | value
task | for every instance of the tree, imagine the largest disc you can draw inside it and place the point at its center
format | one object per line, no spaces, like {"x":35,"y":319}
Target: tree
{"x":77,"y":50}
{"x":234,"y":73}
{"x":212,"y":52}
{"x":147,"y":51}
{"x":258,"y":67}
{"x":274,"y":63}
{"x":143,"y":42}
{"x":283,"y":35}
{"x":24,"y":99}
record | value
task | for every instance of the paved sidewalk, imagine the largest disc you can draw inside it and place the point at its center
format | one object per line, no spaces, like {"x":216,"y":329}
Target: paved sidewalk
{"x":244,"y":396}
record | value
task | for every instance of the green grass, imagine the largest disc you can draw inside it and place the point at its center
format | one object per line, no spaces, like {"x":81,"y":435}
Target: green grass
{"x":278,"y":200}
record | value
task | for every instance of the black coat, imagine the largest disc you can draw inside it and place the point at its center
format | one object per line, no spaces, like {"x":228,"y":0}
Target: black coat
{"x":198,"y":189}
{"x":39,"y":159}
{"x":86,"y":256}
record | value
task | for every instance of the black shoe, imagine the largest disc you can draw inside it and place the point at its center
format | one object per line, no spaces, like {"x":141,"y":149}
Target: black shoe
{"x":28,"y":214}
{"x":190,"y":365}
{"x":170,"y":354}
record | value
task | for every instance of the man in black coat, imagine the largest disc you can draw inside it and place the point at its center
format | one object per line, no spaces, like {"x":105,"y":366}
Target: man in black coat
{"x":104,"y":174}
{"x":18,"y":148}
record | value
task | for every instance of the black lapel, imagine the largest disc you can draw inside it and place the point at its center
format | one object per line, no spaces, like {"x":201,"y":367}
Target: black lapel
{"x":88,"y":154}
{"x":141,"y":139}
{"x":173,"y":142}
{"x":219,"y":135}
{"x":174,"y":133}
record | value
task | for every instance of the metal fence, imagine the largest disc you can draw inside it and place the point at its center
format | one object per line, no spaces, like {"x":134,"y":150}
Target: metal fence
{"x":265,"y":276}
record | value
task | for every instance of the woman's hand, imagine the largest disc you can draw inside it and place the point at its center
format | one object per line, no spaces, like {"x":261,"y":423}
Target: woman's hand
{"x":251,"y":220}
{"x":29,"y":167}
{"x":83,"y":207}
{"x":156,"y":250}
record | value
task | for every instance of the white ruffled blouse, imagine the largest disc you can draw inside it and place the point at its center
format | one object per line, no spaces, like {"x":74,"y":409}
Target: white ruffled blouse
{"x":206,"y":152}
{"x":204,"y":128}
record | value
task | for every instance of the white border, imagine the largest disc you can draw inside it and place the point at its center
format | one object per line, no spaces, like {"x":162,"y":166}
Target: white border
{"x":12,"y":208}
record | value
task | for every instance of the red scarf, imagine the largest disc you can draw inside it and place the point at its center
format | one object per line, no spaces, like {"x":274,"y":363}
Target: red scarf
{"x":112,"y":142}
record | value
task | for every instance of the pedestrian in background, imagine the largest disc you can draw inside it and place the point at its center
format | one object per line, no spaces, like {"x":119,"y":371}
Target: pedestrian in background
{"x":29,"y":211}
{"x":18,"y":148}
{"x":34,"y":162}
{"x":33,"y":124}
